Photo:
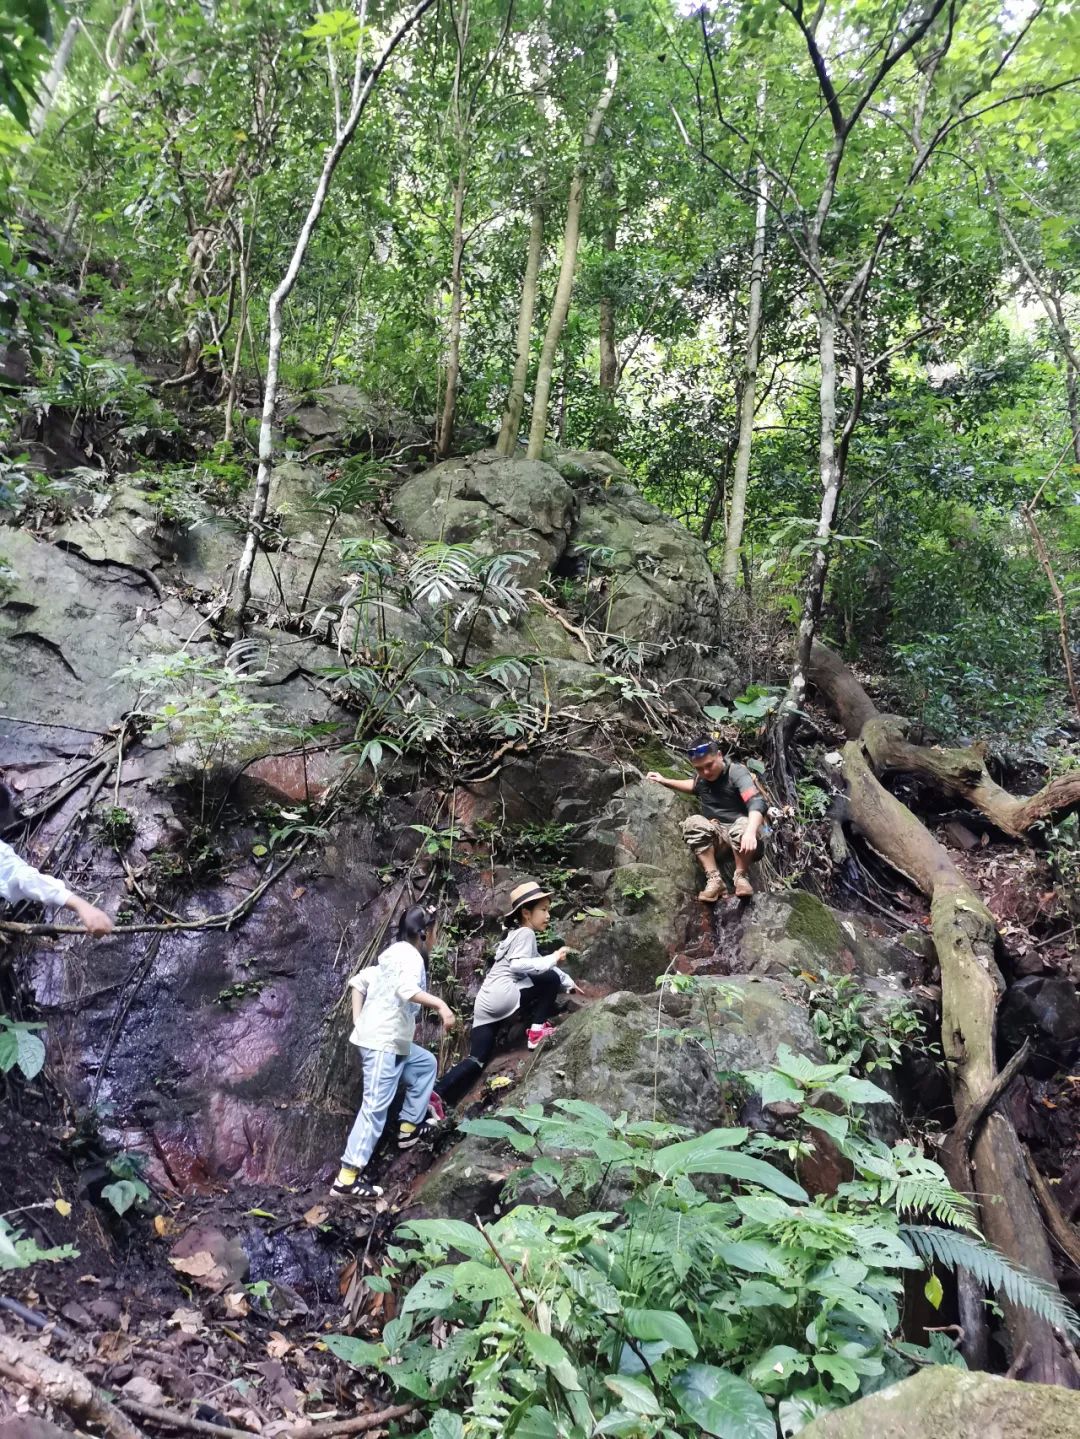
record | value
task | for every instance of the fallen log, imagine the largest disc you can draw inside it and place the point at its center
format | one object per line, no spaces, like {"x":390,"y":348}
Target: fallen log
{"x":965,"y":939}
{"x":59,"y":1384}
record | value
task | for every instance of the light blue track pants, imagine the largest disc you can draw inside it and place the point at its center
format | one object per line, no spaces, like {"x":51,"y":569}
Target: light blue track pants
{"x":384,"y":1073}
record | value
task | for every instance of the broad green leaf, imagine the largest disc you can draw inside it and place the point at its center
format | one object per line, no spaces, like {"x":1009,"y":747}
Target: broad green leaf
{"x":123,"y":1193}
{"x":722,"y":1403}
{"x":652,"y":1324}
{"x":357,"y":1352}
{"x":546,"y":1350}
{"x":634,"y":1394}
{"x":333,"y":25}
{"x":838,"y":1369}
{"x":694,"y":1157}
{"x":445,"y":1425}
{"x":448,"y":1234}
{"x":533,"y":1423}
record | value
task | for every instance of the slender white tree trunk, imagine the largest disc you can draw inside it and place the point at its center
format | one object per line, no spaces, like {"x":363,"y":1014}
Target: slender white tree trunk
{"x":829,"y":470}
{"x":51,"y":83}
{"x":444,"y":438}
{"x":241,"y":589}
{"x":729,"y":565}
{"x":515,"y":403}
{"x":564,"y":289}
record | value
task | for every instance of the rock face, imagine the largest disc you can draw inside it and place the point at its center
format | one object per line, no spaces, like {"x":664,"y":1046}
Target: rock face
{"x":66,"y":626}
{"x":624,"y":1053}
{"x":961,"y":1405}
{"x":229,"y":1056}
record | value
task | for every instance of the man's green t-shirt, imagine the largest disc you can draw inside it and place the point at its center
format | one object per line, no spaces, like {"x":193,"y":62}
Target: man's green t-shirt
{"x":731,"y":796}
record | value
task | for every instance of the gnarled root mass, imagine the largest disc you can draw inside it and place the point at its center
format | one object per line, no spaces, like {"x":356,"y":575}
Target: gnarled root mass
{"x":991,"y":1163}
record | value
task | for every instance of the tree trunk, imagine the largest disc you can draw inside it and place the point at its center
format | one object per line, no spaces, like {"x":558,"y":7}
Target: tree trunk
{"x":564,"y":289}
{"x":604,"y":436}
{"x":965,"y":938}
{"x":830,"y":475}
{"x":719,"y":492}
{"x":242,"y":320}
{"x":51,"y":83}
{"x":729,"y":565}
{"x":1072,"y":397}
{"x":515,"y":403}
{"x":444,"y":438}
{"x":241,"y":588}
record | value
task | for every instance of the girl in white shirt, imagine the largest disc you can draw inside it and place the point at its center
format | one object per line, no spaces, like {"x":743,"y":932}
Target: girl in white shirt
{"x":386,"y":999}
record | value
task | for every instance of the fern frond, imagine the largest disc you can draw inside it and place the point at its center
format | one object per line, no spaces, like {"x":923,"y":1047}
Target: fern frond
{"x":960,"y":1251}
{"x":919,"y":1194}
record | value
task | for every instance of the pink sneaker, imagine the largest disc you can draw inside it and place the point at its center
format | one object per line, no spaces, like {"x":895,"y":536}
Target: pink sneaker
{"x":537,"y":1033}
{"x":436,"y":1110}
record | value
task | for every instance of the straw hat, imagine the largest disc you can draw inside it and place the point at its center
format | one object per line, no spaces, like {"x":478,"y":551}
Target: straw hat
{"x":527,"y":892}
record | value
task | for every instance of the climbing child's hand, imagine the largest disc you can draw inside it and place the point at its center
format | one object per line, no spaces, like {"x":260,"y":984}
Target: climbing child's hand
{"x":95,"y":921}
{"x":655,"y":777}
{"x":448,"y":1017}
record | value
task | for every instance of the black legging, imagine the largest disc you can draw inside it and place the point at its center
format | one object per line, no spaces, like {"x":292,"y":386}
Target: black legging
{"x":537,"y":1004}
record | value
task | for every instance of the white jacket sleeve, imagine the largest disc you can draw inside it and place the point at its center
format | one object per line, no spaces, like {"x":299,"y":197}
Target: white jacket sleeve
{"x":522,"y":955}
{"x":21,"y":881}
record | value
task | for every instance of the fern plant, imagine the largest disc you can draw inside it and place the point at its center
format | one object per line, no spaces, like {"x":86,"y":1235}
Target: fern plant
{"x":993,"y":1271}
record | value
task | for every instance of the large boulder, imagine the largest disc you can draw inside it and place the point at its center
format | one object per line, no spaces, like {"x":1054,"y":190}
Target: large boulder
{"x":953,"y":1402}
{"x":1045,"y":1009}
{"x":493,"y":504}
{"x":627,"y":1052}
{"x":662,"y":592}
{"x":343,"y":417}
{"x":788,"y":932}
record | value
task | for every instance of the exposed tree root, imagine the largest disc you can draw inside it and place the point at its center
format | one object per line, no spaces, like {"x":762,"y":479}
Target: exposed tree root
{"x":959,"y":772}
{"x":965,"y":938}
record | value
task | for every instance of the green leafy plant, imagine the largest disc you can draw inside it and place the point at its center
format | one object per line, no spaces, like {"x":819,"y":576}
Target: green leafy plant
{"x":714,"y":1292}
{"x":17,"y":1251}
{"x":868,"y":1034}
{"x":20,"y":1047}
{"x":117,"y":825}
{"x":635,"y":888}
{"x":208,"y":712}
{"x":235,"y":993}
{"x":748,"y":709}
{"x":128,"y":1186}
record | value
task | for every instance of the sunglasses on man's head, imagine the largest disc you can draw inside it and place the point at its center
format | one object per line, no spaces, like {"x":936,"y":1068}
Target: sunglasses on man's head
{"x":701,"y":750}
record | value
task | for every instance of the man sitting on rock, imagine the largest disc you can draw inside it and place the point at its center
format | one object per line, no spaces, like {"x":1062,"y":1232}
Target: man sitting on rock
{"x":732,"y":817}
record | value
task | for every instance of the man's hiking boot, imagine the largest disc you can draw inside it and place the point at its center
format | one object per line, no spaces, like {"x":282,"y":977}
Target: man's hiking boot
{"x":715,"y":888}
{"x":352,"y":1184}
{"x":743,"y":888}
{"x":537,"y":1033}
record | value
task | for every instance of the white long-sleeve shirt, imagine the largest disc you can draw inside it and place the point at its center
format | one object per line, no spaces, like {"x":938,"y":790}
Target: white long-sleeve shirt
{"x":21,"y":881}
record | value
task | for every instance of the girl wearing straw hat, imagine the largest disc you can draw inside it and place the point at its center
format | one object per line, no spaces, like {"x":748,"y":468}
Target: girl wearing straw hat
{"x":519,"y":978}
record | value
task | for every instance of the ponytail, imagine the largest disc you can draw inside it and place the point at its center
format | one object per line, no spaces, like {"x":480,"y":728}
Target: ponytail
{"x":414,"y":925}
